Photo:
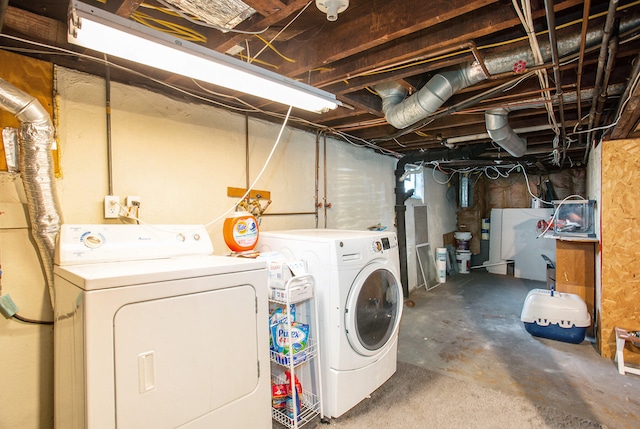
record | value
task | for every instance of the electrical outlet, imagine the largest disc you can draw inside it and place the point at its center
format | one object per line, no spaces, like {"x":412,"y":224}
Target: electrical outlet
{"x":132,"y":201}
{"x":111,"y":207}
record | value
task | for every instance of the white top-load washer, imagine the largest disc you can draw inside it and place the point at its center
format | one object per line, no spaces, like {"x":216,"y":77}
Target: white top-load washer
{"x":153,"y":331}
{"x":359,"y":298}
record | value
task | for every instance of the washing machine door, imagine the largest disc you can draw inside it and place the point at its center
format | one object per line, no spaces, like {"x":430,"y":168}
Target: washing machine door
{"x":373,"y":308}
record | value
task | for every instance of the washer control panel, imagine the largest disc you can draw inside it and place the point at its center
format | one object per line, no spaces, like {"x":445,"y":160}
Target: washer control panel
{"x":379,"y":245}
{"x":82,"y":244}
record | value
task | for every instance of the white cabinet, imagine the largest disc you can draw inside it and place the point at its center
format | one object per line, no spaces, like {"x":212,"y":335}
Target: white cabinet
{"x":295,"y":364}
{"x":514,"y":237}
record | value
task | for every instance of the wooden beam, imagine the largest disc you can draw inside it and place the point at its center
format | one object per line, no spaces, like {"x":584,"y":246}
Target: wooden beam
{"x":266,"y":7}
{"x":371,"y":25}
{"x":223,"y":42}
{"x":628,"y":123}
{"x":128,"y":7}
{"x":464,"y":28}
{"x":36,"y":27}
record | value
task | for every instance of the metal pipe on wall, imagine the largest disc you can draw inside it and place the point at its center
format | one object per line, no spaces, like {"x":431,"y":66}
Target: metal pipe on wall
{"x":246,"y":150}
{"x":583,"y":38}
{"x":107,"y":89}
{"x":602,"y":97}
{"x":317,"y":172}
{"x":606,"y":36}
{"x":324,"y":166}
{"x":555,"y":60}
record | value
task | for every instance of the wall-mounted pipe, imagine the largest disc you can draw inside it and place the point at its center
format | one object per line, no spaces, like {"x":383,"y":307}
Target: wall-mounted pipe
{"x":317,"y":185}
{"x":107,"y":90}
{"x":325,"y":204}
{"x":402,"y":111}
{"x":553,"y":43}
{"x":402,"y":195}
{"x":583,"y":36}
{"x":35,"y":137}
{"x":607,"y":33}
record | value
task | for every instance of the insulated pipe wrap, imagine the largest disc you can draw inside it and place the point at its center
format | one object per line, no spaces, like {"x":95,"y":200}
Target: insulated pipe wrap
{"x":35,"y":136}
{"x":498,"y":128}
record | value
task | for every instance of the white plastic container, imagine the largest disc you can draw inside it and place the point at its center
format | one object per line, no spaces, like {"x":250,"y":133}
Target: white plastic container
{"x":486,"y":224}
{"x":462,"y":239}
{"x":441,"y":264}
{"x":463,"y":258}
{"x":555,"y":315}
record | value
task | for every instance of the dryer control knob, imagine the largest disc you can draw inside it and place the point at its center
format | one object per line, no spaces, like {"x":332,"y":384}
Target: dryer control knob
{"x":93,"y":241}
{"x":377,"y":246}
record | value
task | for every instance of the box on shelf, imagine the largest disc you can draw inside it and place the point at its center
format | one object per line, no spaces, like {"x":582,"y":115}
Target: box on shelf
{"x":281,"y":271}
{"x":555,"y":315}
{"x":295,"y":293}
{"x":574,"y":218}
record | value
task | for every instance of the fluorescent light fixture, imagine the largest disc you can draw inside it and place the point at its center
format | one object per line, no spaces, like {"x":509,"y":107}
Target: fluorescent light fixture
{"x":101,"y":31}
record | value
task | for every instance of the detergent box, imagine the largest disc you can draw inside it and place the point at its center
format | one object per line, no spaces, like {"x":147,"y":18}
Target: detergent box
{"x":555,"y":315}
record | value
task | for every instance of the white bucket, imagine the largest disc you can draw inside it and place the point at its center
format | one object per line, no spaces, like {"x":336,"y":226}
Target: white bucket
{"x":462,"y":239}
{"x":441,"y":264}
{"x":463,"y":258}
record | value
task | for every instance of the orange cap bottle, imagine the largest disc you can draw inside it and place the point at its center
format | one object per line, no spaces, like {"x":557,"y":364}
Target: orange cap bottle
{"x":240,"y":231}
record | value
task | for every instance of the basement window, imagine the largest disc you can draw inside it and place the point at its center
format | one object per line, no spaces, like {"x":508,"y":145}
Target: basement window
{"x":415,"y":181}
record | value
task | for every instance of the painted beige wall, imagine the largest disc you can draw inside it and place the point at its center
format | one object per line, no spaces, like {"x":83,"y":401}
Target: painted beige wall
{"x":179,"y":158}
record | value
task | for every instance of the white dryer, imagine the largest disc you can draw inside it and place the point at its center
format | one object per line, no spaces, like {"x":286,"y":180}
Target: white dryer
{"x":359,"y":298}
{"x":153,"y":331}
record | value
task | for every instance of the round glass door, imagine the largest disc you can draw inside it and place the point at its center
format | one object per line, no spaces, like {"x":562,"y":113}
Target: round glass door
{"x":373,"y":310}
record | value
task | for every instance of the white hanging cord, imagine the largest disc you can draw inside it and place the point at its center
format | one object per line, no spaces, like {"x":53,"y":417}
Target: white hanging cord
{"x":280,"y":32}
{"x":223,"y":215}
{"x":264,"y":167}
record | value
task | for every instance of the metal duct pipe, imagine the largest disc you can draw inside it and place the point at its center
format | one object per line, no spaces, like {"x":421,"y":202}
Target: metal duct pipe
{"x":36,"y":166}
{"x":500,"y":132}
{"x":402,"y":112}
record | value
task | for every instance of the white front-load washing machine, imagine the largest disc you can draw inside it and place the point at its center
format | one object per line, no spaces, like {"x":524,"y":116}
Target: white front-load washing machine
{"x":359,"y":301}
{"x":153,"y":331}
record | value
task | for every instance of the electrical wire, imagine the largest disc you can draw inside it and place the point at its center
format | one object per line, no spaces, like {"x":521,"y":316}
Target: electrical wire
{"x":33,"y":321}
{"x":168,"y":27}
{"x":264,"y":167}
{"x":18,"y":316}
{"x":282,"y":30}
{"x":526,"y":20}
{"x":270,"y":46}
{"x":241,"y":199}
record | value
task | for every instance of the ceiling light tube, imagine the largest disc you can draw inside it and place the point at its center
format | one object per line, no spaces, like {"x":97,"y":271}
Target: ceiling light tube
{"x":101,"y":31}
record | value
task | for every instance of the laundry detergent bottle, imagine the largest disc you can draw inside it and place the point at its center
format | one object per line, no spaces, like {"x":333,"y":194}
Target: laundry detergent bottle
{"x":240,"y":231}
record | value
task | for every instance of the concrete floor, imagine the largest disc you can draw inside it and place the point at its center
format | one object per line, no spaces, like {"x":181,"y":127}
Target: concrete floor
{"x":469,"y":328}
